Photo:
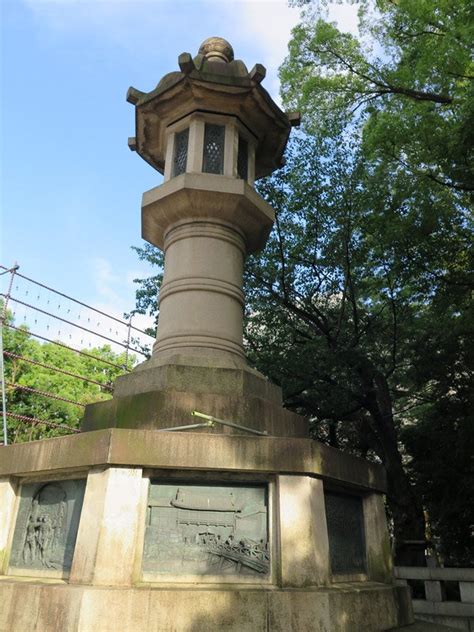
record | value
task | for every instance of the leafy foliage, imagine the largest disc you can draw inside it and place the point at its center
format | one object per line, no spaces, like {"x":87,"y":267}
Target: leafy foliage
{"x":41,"y":378}
{"x":358,"y":308}
{"x":406,"y":81}
{"x":147,"y":291}
{"x":402,"y":91}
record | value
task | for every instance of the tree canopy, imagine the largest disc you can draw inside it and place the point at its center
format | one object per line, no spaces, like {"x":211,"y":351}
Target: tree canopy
{"x":364,"y":321}
{"x":406,"y":81}
{"x":398,"y":98}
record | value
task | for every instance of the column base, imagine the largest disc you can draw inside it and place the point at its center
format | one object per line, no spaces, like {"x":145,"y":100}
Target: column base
{"x":159,"y":395}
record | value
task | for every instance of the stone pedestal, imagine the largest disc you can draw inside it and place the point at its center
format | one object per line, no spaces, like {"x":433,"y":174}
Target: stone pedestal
{"x":289,"y":583}
{"x":163,"y":396}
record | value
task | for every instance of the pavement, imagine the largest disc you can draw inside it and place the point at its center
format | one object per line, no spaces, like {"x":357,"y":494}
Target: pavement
{"x":425,"y":626}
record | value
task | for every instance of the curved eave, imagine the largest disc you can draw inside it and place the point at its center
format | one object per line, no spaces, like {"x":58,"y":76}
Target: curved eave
{"x":273,"y":135}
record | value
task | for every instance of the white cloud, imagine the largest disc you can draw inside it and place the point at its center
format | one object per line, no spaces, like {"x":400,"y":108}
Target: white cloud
{"x":115,"y":290}
{"x":104,"y":279}
{"x":267,"y":25}
{"x":155,"y":25}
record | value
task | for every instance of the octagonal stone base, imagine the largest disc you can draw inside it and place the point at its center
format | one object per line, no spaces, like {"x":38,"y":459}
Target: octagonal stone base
{"x":157,"y":396}
{"x":63,"y":608}
{"x":108,"y":586}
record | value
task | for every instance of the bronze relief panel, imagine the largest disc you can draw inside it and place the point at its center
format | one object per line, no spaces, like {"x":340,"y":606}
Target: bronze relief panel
{"x":219,"y":530}
{"x":46,"y":525}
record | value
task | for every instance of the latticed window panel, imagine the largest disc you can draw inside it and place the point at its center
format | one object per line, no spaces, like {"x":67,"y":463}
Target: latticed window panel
{"x":180,"y":152}
{"x":213,"y":155}
{"x":243,"y":159}
{"x":345,"y":521}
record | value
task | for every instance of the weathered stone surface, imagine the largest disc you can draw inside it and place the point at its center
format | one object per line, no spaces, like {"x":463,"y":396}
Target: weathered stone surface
{"x":299,"y":611}
{"x":466,"y":590}
{"x":193,"y":451}
{"x":224,"y":87}
{"x":164,"y":395}
{"x":353,"y":607}
{"x":107,"y":537}
{"x":303,"y":533}
{"x":434,"y":591}
{"x":201,"y":196}
{"x":345,"y":527}
{"x":201,"y":298}
{"x":36,"y":607}
{"x":195,"y":530}
{"x":161,"y":409}
{"x":420,"y":626}
{"x":340,"y":466}
{"x":435,"y":573}
{"x":379,"y":558}
{"x":404,"y":605}
{"x":197,"y":375}
{"x":211,"y":129}
{"x":422,"y":608}
{"x":74,"y":452}
{"x":8,"y":490}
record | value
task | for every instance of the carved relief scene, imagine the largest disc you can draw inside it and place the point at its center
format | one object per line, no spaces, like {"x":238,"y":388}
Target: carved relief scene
{"x":207,"y":530}
{"x":47,"y":523}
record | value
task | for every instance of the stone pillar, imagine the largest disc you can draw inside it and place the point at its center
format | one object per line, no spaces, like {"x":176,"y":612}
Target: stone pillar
{"x":196,"y":142}
{"x":466,"y":590}
{"x":434,"y":591}
{"x":303,"y":532}
{"x":8,"y":489}
{"x":201,"y":299}
{"x":379,"y":559}
{"x":108,"y":530}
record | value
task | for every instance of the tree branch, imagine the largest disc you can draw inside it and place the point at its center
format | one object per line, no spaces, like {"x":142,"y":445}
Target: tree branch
{"x":417,"y":95}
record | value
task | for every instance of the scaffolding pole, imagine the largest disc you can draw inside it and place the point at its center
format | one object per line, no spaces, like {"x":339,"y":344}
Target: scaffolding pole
{"x":3,"y":316}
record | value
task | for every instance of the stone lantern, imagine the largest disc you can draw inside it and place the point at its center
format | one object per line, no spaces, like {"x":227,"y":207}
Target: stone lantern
{"x":211,"y":129}
{"x":145,"y":521}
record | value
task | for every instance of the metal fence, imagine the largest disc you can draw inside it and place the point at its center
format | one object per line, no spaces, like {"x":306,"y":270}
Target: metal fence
{"x":51,"y":316}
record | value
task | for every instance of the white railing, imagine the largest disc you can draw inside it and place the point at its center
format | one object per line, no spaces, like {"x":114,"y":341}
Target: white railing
{"x":436,"y":607}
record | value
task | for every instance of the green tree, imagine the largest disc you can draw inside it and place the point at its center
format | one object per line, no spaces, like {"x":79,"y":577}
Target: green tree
{"x":406,"y":82}
{"x":439,"y":434}
{"x":345,"y":308}
{"x":71,"y":393}
{"x":403,"y":89}
{"x":147,"y":292}
{"x":358,"y":308}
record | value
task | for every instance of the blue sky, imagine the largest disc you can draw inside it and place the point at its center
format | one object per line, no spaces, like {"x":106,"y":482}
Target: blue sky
{"x":70,"y":187}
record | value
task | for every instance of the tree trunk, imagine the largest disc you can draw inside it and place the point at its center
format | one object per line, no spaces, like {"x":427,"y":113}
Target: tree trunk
{"x":407,"y":514}
{"x":406,"y":508}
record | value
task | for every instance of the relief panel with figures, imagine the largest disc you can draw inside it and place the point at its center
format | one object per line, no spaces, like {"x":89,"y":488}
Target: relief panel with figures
{"x":46,"y":526}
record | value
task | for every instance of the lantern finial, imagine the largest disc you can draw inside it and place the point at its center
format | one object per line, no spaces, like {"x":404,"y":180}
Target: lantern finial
{"x":217,"y":49}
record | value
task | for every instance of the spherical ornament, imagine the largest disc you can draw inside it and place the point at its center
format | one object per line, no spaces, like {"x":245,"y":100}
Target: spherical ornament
{"x":217,"y":47}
